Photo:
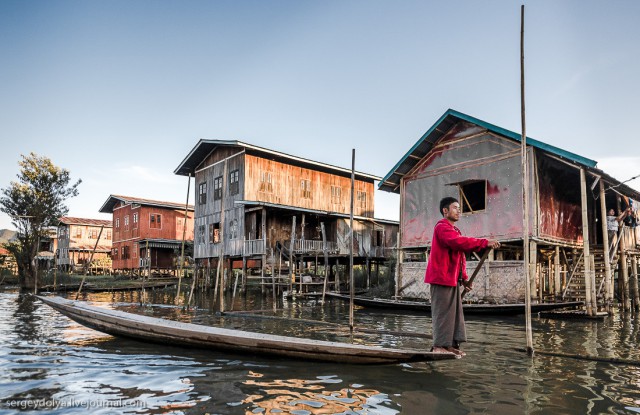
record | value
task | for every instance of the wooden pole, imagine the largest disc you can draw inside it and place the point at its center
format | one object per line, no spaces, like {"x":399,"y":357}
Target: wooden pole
{"x":557,"y":285}
{"x":326,"y":261}
{"x":292,"y":261}
{"x":605,"y":251}
{"x":351,"y":288}
{"x":525,"y":194}
{"x":222,"y":237}
{"x":634,"y":281}
{"x":585,"y":246}
{"x":184,"y":235}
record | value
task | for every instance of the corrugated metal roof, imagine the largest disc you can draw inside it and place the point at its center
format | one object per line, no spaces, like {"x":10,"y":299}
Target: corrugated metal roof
{"x":205,"y":147}
{"x":67,"y":220}
{"x":391,"y":182}
{"x":109,"y":205}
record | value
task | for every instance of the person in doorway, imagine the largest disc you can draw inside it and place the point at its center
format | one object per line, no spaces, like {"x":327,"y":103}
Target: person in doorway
{"x":613,"y":222}
{"x":446,"y":270}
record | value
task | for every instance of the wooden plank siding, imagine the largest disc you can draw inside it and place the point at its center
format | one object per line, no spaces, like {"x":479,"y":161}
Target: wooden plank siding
{"x":270,"y":191}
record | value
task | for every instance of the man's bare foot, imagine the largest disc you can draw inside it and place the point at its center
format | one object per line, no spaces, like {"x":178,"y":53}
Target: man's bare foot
{"x":456,"y":351}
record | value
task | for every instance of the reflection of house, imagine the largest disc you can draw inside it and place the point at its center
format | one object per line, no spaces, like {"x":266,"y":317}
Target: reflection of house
{"x":480,"y":164}
{"x":80,"y":240}
{"x":255,"y":205}
{"x":147,"y":230}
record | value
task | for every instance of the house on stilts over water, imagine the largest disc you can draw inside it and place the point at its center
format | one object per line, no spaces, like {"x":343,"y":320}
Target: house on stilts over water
{"x":571,"y":256}
{"x":148,"y":235}
{"x":269,"y":213}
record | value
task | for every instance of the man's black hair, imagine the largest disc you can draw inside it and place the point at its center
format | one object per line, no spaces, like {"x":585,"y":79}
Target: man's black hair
{"x":446,"y":202}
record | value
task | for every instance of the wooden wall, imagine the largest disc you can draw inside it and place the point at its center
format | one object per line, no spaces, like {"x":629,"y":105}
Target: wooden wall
{"x":285,"y":187}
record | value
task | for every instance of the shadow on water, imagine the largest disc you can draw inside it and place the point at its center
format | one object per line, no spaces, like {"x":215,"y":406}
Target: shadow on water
{"x":52,"y":363}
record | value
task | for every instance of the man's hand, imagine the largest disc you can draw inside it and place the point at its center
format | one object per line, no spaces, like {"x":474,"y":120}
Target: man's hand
{"x":493,"y":244}
{"x":468,"y":285}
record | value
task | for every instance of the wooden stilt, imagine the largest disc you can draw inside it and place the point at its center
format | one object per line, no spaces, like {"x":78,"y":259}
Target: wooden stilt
{"x":608,"y":293}
{"x":585,"y":246}
{"x":184,"y":236}
{"x":557,"y":286}
{"x":326,"y":261}
{"x":624,"y":274}
{"x":634,"y":279}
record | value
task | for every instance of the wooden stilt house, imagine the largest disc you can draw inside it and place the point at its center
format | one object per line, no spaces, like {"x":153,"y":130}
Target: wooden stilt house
{"x":83,"y":243}
{"x":479,"y":163}
{"x":147,"y":234}
{"x":274,"y":213}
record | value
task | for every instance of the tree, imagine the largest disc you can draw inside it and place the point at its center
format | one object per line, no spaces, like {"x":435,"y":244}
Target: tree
{"x":34,"y":203}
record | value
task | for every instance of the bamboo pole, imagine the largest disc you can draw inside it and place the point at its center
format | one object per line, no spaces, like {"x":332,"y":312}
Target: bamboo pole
{"x":184,"y":235}
{"x":292,"y":261}
{"x":624,"y":274}
{"x":225,"y":170}
{"x":557,"y":286}
{"x":634,"y":280}
{"x":525,"y":194}
{"x":351,"y":288}
{"x":605,"y":250}
{"x":326,"y":261}
{"x":585,"y":245}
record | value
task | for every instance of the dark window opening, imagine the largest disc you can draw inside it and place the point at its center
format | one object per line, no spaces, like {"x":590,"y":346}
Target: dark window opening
{"x":217,"y":188}
{"x":473,"y":196}
{"x":234,"y":185}
{"x":202,"y":193}
{"x":214,"y":233}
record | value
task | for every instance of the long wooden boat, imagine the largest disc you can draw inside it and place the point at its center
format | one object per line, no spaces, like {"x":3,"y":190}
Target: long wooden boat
{"x":475,"y":309}
{"x":177,"y":333}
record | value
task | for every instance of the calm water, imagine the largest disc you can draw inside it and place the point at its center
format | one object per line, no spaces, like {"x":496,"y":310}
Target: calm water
{"x":49,"y":363}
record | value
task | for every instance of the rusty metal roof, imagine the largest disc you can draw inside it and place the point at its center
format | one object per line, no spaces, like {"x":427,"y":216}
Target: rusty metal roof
{"x":205,"y":147}
{"x":391,"y":182}
{"x":113,"y":200}
{"x":67,"y":220}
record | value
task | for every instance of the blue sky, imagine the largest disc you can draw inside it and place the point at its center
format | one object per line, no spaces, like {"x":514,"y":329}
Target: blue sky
{"x":118,"y":92}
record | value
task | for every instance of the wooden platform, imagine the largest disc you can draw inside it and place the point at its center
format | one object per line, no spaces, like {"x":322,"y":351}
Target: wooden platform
{"x":169,"y":332}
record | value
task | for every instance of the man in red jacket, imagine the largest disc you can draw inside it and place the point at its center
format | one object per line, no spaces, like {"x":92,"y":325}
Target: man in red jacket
{"x":447,"y":267}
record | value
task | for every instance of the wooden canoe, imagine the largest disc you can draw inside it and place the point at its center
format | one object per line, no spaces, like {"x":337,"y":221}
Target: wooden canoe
{"x":177,"y":333}
{"x":475,"y":309}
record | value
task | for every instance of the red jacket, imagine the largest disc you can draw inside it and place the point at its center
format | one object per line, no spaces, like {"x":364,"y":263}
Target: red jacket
{"x":447,"y":254}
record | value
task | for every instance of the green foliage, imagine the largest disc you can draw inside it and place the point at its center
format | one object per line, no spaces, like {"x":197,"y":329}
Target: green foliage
{"x":34,"y":202}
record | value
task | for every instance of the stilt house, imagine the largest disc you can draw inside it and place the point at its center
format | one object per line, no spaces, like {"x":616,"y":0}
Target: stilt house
{"x":266,"y":210}
{"x":571,"y":256}
{"x":148,"y":234}
{"x":81,"y":241}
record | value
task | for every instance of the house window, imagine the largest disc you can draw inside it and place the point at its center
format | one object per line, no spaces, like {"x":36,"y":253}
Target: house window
{"x":114,"y":253}
{"x":78,"y":232}
{"x":200,"y":237}
{"x":108,"y":235}
{"x":117,"y":223}
{"x":126,"y":223}
{"x":155,"y":221}
{"x":473,"y":196}
{"x":217,"y":188}
{"x":135,"y":220}
{"x":305,"y":187}
{"x":361,"y":199}
{"x":234,"y":185}
{"x":93,"y":234}
{"x":214,"y":233}
{"x":265,"y":182}
{"x":336,"y":194}
{"x":135,"y":250}
{"x":202,"y":193}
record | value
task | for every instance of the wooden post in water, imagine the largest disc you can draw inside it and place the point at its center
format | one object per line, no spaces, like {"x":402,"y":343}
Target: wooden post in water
{"x":222,"y":236}
{"x":184,"y":236}
{"x":605,"y":250}
{"x":634,"y":280}
{"x":557,"y":285}
{"x":351,"y":288}
{"x":292,"y":260}
{"x":585,"y":244}
{"x":525,"y":194}
{"x":326,"y":261}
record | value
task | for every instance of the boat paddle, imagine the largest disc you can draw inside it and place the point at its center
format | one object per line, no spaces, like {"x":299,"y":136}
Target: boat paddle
{"x":475,"y":272}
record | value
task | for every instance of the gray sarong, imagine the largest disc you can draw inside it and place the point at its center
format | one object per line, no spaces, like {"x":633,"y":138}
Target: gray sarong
{"x":447,"y":316}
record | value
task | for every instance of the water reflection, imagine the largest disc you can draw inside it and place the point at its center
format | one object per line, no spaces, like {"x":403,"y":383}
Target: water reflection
{"x":46,"y":357}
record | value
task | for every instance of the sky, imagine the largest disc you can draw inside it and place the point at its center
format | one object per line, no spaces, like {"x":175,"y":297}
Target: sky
{"x":118,"y":92}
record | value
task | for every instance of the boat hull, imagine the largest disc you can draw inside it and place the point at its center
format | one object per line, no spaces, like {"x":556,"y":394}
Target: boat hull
{"x":469,"y":309}
{"x":181,"y":334}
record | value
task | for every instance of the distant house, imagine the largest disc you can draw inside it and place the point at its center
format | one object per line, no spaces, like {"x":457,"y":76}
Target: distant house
{"x":480,"y":164}
{"x":81,"y":240}
{"x":147,"y":233}
{"x":258,"y":207}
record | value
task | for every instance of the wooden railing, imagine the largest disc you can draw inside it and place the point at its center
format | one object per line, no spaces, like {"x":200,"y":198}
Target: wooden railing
{"x":253,"y":247}
{"x":304,"y":246}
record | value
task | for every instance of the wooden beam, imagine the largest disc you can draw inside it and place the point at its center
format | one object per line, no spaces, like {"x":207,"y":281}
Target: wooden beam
{"x":605,"y":250}
{"x":591,"y":311}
